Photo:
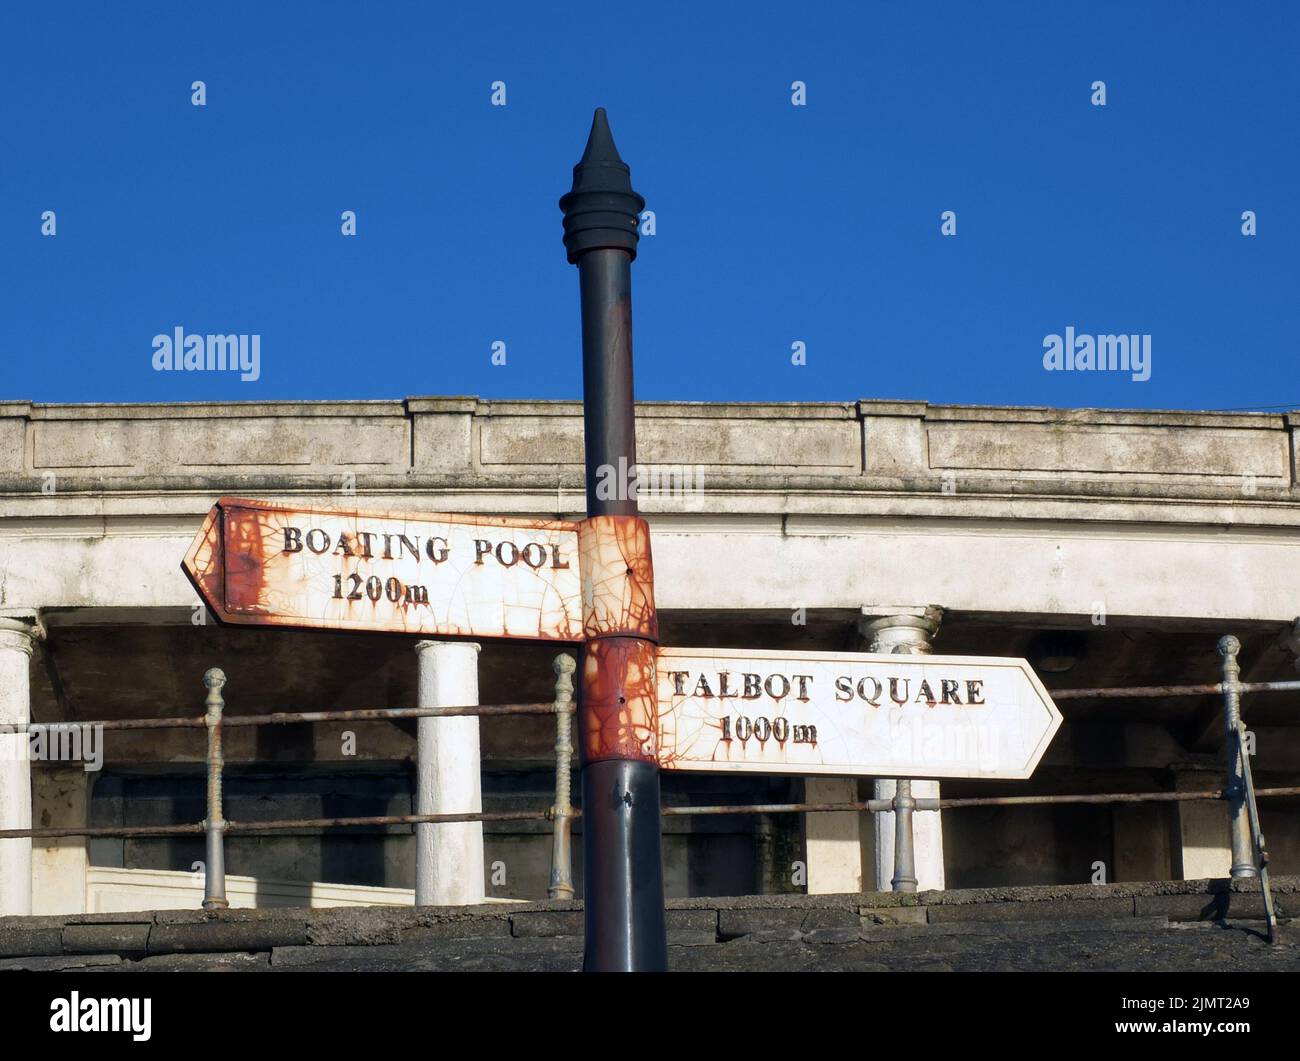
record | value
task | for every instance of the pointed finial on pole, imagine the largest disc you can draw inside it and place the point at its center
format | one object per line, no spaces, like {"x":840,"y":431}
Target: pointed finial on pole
{"x":601,"y":210}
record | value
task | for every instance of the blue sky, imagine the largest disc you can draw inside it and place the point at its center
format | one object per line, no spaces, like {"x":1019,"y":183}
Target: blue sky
{"x":775,"y":223}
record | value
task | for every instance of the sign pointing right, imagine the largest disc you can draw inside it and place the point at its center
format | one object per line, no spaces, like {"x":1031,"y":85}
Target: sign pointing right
{"x":848,"y":713}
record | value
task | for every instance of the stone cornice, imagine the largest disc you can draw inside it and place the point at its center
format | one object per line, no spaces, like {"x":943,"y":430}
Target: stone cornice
{"x":859,"y":456}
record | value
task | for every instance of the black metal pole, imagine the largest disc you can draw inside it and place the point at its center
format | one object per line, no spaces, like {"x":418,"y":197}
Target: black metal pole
{"x":605,"y":279}
{"x":622,"y":861}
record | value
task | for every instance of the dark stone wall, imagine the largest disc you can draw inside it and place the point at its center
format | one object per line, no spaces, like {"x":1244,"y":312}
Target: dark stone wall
{"x":1193,"y":925}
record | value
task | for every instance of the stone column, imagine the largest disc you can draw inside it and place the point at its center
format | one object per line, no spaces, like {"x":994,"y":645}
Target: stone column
{"x":448,"y":858}
{"x":833,"y":839}
{"x":60,"y":799}
{"x":905,"y":630}
{"x":1203,"y":849}
{"x":16,"y":641}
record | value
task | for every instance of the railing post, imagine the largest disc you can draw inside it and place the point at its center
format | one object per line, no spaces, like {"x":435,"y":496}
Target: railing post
{"x":1243,"y":859}
{"x":214,"y":826}
{"x":1257,"y":838}
{"x":561,"y":886}
{"x":904,"y":849}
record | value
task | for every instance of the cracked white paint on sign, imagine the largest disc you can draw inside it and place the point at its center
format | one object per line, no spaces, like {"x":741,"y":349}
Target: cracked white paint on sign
{"x":458,"y":576}
{"x":846,"y":713}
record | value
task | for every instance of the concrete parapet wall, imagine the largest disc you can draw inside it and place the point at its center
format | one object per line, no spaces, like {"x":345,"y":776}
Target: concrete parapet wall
{"x":427,"y":440}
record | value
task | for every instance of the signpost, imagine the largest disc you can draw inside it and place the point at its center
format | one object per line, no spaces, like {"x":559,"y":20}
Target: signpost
{"x":641,"y":707}
{"x":623,"y":862}
{"x":259,"y":563}
{"x":842,"y":713}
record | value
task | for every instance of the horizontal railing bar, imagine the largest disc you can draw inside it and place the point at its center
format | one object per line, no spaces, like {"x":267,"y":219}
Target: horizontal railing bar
{"x":1147,"y":691}
{"x":387,"y":819}
{"x":1121,"y":797}
{"x":184,"y":722}
{"x":380,"y":714}
{"x":871,"y":806}
{"x":779,"y":808}
{"x":104,"y":830}
{"x":272,"y":826}
{"x":377,"y":714}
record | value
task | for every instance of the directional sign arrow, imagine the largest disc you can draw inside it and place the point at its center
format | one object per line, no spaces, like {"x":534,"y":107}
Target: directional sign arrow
{"x":851,"y":713}
{"x":259,"y":563}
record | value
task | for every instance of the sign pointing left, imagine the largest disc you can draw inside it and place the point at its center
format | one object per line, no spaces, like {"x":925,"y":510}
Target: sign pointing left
{"x":263,"y":564}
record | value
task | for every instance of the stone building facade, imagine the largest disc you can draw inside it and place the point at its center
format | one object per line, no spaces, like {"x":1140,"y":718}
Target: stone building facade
{"x":1110,"y":548}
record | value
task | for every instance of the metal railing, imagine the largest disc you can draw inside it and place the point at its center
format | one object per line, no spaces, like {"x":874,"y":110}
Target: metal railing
{"x":215,"y":827}
{"x":1249,"y":855}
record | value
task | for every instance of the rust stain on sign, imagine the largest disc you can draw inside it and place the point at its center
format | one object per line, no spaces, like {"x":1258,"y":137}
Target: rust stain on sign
{"x":618,"y":705}
{"x":618,"y":717}
{"x":259,"y":563}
